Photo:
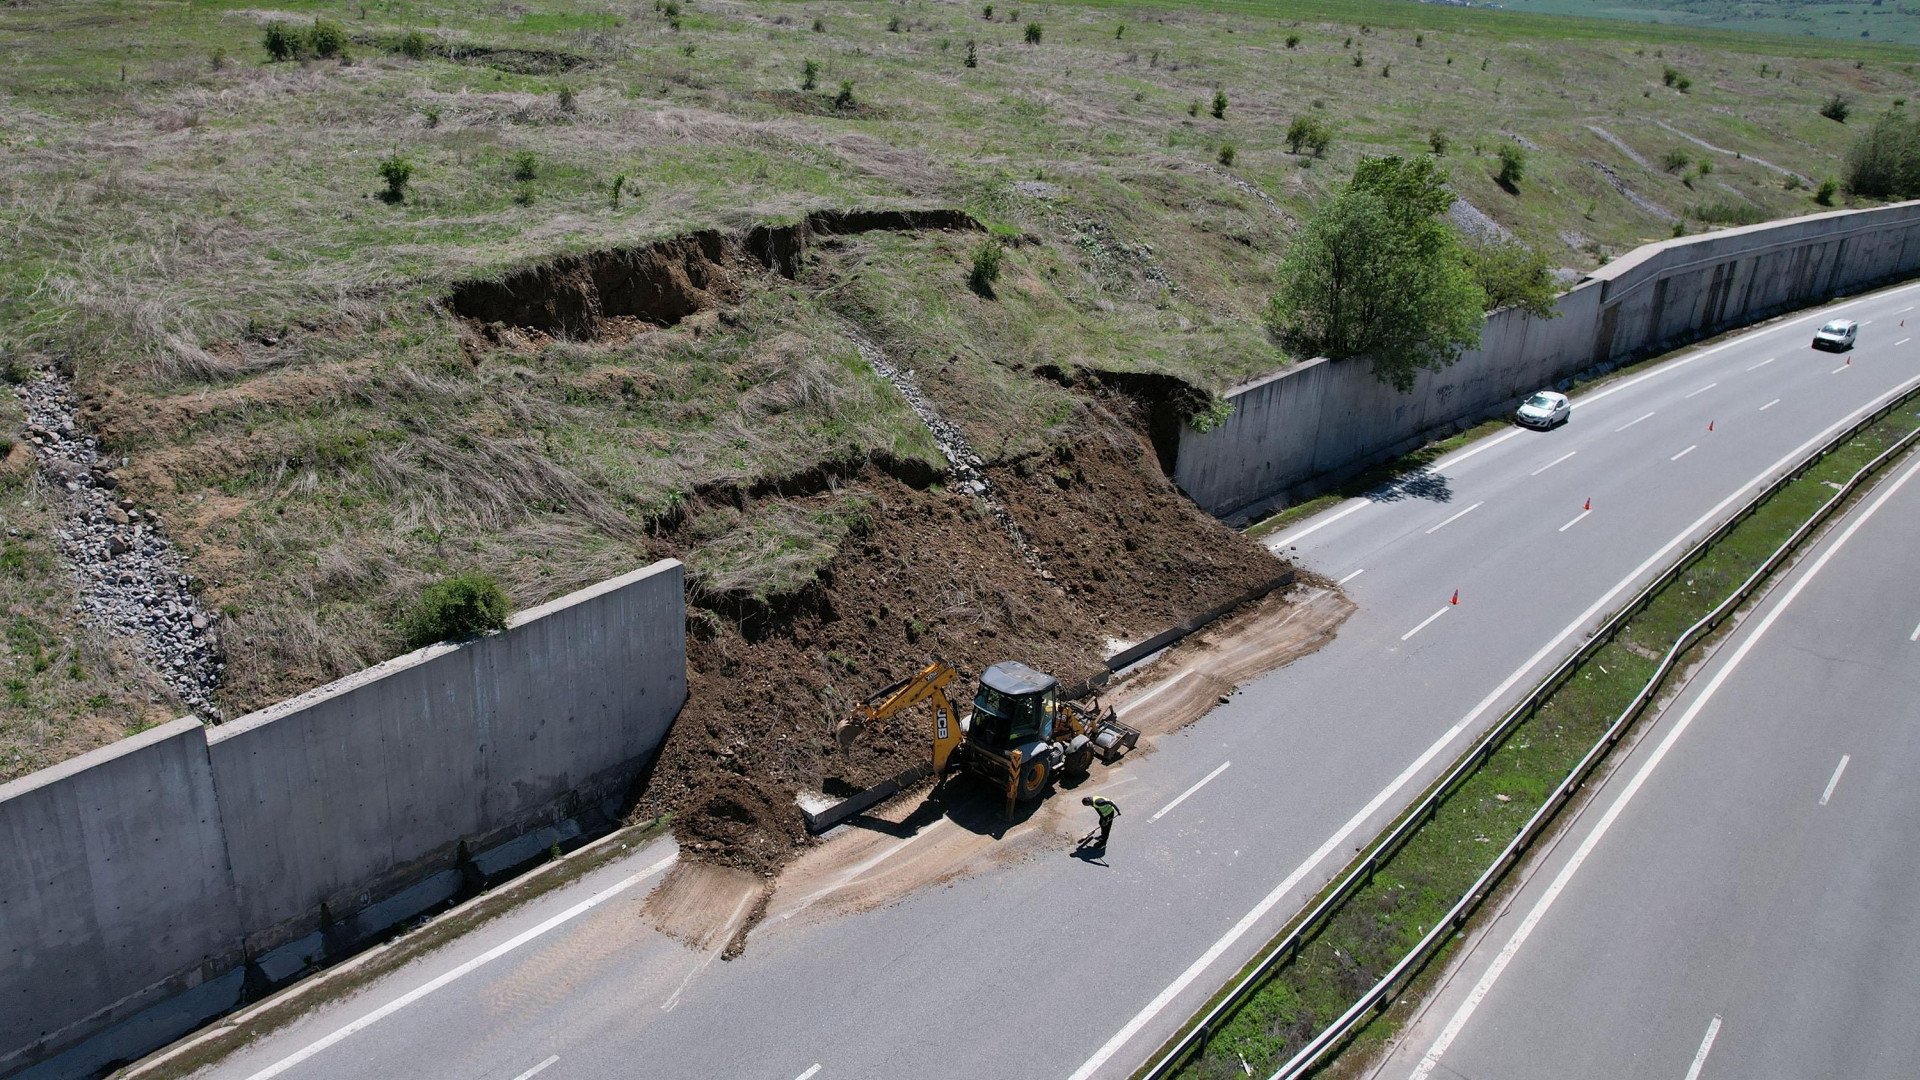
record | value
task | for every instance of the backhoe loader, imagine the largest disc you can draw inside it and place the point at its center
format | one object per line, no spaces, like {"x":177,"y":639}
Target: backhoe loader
{"x":1022,"y":733}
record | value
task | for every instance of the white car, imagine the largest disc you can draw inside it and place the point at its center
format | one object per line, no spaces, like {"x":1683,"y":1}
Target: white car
{"x":1544,"y":410}
{"x":1837,"y":335}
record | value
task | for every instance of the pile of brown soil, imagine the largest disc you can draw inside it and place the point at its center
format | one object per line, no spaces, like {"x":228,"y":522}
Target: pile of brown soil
{"x":931,"y":577}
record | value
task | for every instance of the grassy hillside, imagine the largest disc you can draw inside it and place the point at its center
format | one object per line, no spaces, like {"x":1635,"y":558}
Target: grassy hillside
{"x":1864,"y":21}
{"x":198,"y":236}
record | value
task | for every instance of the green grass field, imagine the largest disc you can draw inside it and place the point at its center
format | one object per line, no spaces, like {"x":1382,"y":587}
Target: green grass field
{"x":1871,"y":21}
{"x":198,"y":235}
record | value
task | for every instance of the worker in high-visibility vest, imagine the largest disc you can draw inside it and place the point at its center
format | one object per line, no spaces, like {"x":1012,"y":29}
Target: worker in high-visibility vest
{"x":1108,"y":810}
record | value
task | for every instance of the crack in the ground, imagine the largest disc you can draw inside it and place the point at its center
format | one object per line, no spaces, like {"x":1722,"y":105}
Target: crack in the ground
{"x":131,"y":580}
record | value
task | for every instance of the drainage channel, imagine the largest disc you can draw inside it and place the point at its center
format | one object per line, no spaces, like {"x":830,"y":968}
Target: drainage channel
{"x":965,"y":465}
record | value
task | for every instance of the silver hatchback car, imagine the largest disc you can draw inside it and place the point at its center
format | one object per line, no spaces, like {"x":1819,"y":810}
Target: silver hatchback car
{"x":1546,"y":409}
{"x":1837,"y":335}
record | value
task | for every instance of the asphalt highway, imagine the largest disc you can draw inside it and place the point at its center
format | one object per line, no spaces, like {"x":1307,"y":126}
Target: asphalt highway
{"x":1740,"y":899}
{"x":1057,"y":966}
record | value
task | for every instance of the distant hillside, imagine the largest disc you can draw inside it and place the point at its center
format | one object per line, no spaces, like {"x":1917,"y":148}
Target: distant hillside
{"x":1873,"y":20}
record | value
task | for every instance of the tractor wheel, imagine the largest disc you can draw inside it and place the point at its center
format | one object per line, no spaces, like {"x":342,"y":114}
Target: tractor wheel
{"x":1080,"y":762}
{"x":1033,"y":780}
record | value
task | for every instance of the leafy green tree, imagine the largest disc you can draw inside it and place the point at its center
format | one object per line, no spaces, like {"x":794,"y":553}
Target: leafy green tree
{"x":396,"y":171}
{"x":844,"y":99}
{"x":1884,"y":162}
{"x":986,"y":268}
{"x":1219,"y":104}
{"x":1033,"y":33}
{"x":414,"y":45}
{"x":282,"y":42}
{"x":1513,"y":164}
{"x":973,"y":55}
{"x":1309,"y":132}
{"x":1379,"y":272}
{"x":809,"y":75}
{"x":327,"y":39}
{"x":1514,"y":275}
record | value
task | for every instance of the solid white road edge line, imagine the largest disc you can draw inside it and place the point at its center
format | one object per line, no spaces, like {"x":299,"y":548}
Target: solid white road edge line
{"x":854,"y":874}
{"x":1183,"y":795}
{"x":1160,"y":1001}
{"x":1456,"y":517}
{"x":1702,"y":390}
{"x":477,"y":962}
{"x":1632,"y":422}
{"x":1520,"y":934}
{"x":1769,"y":404}
{"x":1552,"y":463}
{"x":1285,"y":539}
{"x":537,"y":1069}
{"x":1685,"y":452}
{"x":1706,"y":1047}
{"x":1578,"y":518}
{"x":1424,"y":622}
{"x":808,"y":1075}
{"x":673,"y":999}
{"x":1835,"y":782}
{"x":1351,"y":576}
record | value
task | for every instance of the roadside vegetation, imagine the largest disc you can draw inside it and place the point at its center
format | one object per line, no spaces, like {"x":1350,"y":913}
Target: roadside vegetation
{"x":236,"y":228}
{"x":1418,"y":885}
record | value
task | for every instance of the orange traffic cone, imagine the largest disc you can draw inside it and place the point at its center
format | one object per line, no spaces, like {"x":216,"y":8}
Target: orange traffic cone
{"x":1456,"y":597}
{"x":1589,"y":505}
{"x":1709,"y":425}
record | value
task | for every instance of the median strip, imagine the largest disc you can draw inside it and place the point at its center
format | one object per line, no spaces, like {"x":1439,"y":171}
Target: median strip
{"x":1327,"y":985}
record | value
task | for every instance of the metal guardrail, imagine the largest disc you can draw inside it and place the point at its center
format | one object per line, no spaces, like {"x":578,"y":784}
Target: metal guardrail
{"x":1384,"y":992}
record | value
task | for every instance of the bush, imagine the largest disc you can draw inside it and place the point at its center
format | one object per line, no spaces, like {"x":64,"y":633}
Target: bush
{"x":1684,"y":84}
{"x":526,"y":165}
{"x":1311,"y":133}
{"x":1729,"y":212}
{"x":1293,"y":41}
{"x":1838,"y":108}
{"x":396,"y":171}
{"x":457,"y":608}
{"x":568,"y":102}
{"x":1884,"y":162}
{"x":809,"y":75}
{"x":986,"y":268}
{"x":1828,"y":188}
{"x":819,"y":26}
{"x":1226,"y":153}
{"x":282,"y":41}
{"x":1514,"y":275}
{"x":1705,"y":167}
{"x":1670,"y":76}
{"x":844,"y":99}
{"x":1437,"y":142}
{"x":217,"y":59}
{"x":1513,"y":164}
{"x":413,"y":45}
{"x":973,"y":55}
{"x":1219,"y":104}
{"x":1033,"y":33}
{"x":1676,"y":160}
{"x":619,"y":186}
{"x":327,"y":39}
{"x":987,"y":13}
{"x":893,"y":25}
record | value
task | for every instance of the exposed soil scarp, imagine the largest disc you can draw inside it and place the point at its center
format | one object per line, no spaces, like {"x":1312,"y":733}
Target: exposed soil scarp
{"x":615,"y":292}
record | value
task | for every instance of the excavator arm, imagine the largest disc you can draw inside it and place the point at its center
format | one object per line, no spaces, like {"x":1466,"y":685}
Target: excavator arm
{"x":928,"y":685}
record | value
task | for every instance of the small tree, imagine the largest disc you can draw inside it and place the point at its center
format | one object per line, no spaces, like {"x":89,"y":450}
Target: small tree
{"x":396,"y":171}
{"x":973,"y":55}
{"x":844,"y":99}
{"x":1219,"y":104}
{"x":1309,"y":133}
{"x":1293,"y":41}
{"x":1684,"y":84}
{"x":1670,"y":76}
{"x":1828,"y":189}
{"x":1226,"y":153}
{"x":413,"y":45}
{"x":1033,"y":33}
{"x":809,"y":75}
{"x":1514,"y":275}
{"x":1437,"y":142}
{"x":987,"y":12}
{"x":986,"y":268}
{"x":1884,"y":162}
{"x":327,"y":39}
{"x":526,"y":166}
{"x":1675,"y":160}
{"x":1513,"y":164}
{"x":457,"y":608}
{"x":893,"y":25}
{"x":619,"y":186}
{"x":568,"y":102}
{"x":282,"y":42}
{"x":1837,"y":108}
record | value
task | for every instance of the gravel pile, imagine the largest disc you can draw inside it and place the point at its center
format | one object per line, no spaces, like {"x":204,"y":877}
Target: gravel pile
{"x":967,"y":468}
{"x":131,"y":581}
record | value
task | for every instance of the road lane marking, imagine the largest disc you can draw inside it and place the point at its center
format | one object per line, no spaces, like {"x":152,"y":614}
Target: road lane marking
{"x":1552,"y":463}
{"x":1706,"y":1047}
{"x":1252,"y":918}
{"x":1769,"y":404}
{"x":1685,"y":452}
{"x":1183,"y":795}
{"x":854,"y":874}
{"x":1351,"y":576}
{"x":1904,"y":310}
{"x":537,"y":1069}
{"x":1866,"y":322}
{"x":1424,"y":622}
{"x":673,"y":999}
{"x":1839,"y":369}
{"x":1520,"y":934}
{"x":1702,"y":390}
{"x":1835,"y":782}
{"x":1763,"y":363}
{"x":1285,"y":539}
{"x":1456,"y":517}
{"x":808,"y":1075}
{"x":1901,"y":342}
{"x":477,"y":962}
{"x":1582,"y":516}
{"x":1630,"y":423}
{"x":1915,"y":636}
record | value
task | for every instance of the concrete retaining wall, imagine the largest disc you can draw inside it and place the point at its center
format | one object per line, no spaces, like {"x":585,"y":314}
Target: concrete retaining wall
{"x":1324,"y":419}
{"x":176,"y":858}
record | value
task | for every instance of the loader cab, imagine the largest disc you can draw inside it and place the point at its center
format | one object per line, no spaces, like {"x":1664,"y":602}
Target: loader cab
{"x":1015,"y":707}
